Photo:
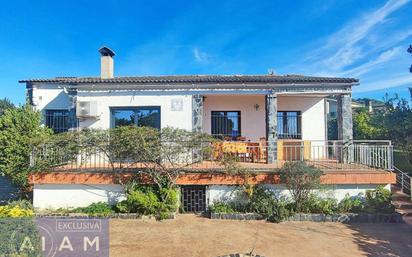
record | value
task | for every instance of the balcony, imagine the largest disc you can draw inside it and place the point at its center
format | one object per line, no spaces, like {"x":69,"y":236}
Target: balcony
{"x":331,"y":156}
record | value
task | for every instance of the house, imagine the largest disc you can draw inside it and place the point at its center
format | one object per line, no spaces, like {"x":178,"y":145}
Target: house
{"x":271,"y":118}
{"x":371,"y":104}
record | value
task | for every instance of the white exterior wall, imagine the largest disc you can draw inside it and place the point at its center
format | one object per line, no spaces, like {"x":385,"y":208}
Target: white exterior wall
{"x":50,"y":97}
{"x":253,"y":121}
{"x":168,"y":118}
{"x":253,"y":124}
{"x":53,"y":196}
{"x":219,"y":193}
{"x":313,"y":114}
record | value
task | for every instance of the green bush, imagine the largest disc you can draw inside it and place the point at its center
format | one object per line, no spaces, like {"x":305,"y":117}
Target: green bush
{"x":378,"y":200}
{"x":317,"y":204}
{"x":221,"y":207}
{"x":170,"y":198}
{"x":14,"y":232}
{"x":17,"y":209}
{"x":351,"y":204}
{"x":22,"y":203}
{"x":99,"y":208}
{"x":300,"y":179}
{"x":146,"y":200}
{"x":259,"y":200}
{"x":19,"y":127}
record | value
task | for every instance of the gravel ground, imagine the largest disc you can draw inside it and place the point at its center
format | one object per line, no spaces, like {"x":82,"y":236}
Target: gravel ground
{"x":189,"y":235}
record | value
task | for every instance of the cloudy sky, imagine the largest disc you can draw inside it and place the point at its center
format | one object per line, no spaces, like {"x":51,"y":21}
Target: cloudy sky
{"x":351,"y":38}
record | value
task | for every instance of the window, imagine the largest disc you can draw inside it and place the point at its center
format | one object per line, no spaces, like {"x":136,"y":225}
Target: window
{"x":139,"y":116}
{"x":226,"y":124}
{"x":289,"y":125}
{"x":57,"y":120}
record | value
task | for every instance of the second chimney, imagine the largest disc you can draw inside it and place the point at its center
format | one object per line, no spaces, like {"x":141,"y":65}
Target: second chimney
{"x":106,"y":63}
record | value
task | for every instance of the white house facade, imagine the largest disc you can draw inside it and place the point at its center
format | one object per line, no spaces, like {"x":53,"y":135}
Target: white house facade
{"x":271,"y":110}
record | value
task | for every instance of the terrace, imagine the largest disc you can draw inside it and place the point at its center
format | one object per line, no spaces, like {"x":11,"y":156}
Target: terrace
{"x":330,"y":156}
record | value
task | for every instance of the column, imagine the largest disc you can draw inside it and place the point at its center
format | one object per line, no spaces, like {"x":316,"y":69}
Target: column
{"x":345,"y":126}
{"x":197,"y":113}
{"x":197,"y":123}
{"x":271,"y":126}
{"x":72,"y":119}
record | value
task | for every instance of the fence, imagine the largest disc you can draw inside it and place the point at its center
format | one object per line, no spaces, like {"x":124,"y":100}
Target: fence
{"x":326,"y":155}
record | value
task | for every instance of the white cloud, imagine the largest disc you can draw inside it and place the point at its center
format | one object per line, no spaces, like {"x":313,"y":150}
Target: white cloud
{"x":200,"y":56}
{"x":382,"y":83}
{"x":351,"y":43}
{"x":368,"y":66}
{"x":353,"y":33}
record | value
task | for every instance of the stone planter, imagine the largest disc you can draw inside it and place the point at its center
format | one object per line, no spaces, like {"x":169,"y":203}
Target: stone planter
{"x":110,"y":216}
{"x":343,"y":218}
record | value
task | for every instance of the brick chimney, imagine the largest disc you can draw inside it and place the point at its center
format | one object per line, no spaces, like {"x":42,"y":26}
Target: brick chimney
{"x":106,"y":63}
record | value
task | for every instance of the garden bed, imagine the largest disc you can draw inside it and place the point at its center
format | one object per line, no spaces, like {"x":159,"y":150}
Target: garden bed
{"x":108,"y":216}
{"x":343,"y":218}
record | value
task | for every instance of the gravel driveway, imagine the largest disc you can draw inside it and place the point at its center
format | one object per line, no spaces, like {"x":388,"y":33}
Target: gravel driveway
{"x":192,"y":236}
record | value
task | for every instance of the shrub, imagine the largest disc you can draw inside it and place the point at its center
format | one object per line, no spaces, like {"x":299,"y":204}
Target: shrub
{"x":300,"y":179}
{"x":18,"y":128}
{"x":146,"y":200}
{"x":351,"y":204}
{"x":99,"y":208}
{"x":221,"y":207}
{"x":261,"y":201}
{"x":22,"y":203}
{"x":378,"y":200}
{"x":14,"y":231}
{"x":16,"y":209}
{"x":170,"y":198}
{"x":145,"y":203}
{"x":316,"y":204}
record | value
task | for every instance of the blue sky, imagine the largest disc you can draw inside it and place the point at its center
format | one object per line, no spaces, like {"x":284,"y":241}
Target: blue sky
{"x":351,"y":38}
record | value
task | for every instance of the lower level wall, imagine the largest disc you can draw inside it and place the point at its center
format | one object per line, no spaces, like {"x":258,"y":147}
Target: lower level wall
{"x":218,"y":192}
{"x":53,"y":196}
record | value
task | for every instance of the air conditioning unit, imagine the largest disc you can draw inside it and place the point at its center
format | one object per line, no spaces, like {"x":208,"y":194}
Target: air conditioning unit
{"x":85,"y":109}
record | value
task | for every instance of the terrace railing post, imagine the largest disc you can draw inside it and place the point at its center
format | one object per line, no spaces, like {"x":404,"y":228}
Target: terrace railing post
{"x":271,"y":126}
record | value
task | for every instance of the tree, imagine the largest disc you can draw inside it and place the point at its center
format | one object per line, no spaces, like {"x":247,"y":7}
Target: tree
{"x":19,"y":127}
{"x":5,"y":104}
{"x":368,"y":125}
{"x":300,"y":179}
{"x":158,"y":155}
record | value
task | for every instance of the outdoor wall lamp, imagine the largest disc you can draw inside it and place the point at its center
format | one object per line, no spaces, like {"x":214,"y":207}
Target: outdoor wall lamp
{"x":256,"y":107}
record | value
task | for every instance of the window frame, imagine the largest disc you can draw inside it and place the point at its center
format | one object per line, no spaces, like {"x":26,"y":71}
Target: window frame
{"x":285,"y":133}
{"x":135,"y":109}
{"x":239,"y":115}
{"x":48,"y":117}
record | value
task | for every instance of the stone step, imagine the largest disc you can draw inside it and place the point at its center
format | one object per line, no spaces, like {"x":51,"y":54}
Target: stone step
{"x":405,"y":213}
{"x":402,"y":197}
{"x":403,"y":205}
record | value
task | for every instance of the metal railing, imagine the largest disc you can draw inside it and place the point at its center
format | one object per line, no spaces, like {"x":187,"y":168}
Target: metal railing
{"x":403,"y":181}
{"x":326,"y":155}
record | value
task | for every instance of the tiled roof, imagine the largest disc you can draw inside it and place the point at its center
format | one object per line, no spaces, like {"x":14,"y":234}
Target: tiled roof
{"x":190,"y":79}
